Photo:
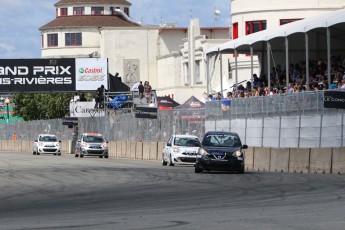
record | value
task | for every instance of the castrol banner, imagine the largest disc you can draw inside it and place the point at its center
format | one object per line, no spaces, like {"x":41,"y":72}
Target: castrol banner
{"x":91,"y":73}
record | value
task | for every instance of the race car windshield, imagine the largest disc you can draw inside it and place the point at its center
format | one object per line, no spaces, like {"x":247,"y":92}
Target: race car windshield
{"x":94,"y":139}
{"x":221,"y":140}
{"x":188,"y":142}
{"x":48,"y":139}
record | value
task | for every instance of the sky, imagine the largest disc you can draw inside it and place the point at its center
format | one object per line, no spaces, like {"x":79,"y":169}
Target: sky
{"x":20,"y":20}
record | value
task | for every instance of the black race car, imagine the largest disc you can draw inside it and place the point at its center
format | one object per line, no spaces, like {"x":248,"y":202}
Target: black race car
{"x":220,"y":151}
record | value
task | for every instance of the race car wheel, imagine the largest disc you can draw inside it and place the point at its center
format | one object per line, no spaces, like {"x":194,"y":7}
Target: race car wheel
{"x":34,"y":153}
{"x":197,"y":169}
{"x":100,"y":156}
{"x":106,"y":156}
{"x":170,"y":161}
{"x":164,"y":162}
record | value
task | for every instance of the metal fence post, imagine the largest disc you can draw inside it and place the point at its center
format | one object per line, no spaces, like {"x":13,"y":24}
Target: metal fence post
{"x":299,"y":131}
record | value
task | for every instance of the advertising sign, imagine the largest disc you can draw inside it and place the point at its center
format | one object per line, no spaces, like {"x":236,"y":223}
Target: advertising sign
{"x":91,"y":73}
{"x":85,"y":109}
{"x":37,"y":75}
{"x":146,"y":112}
{"x":334,"y":99}
{"x":53,"y":75}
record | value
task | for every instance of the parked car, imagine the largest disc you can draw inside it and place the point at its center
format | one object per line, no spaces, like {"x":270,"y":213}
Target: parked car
{"x":47,"y":143}
{"x":221,"y":151}
{"x":181,"y":149}
{"x":92,"y":144}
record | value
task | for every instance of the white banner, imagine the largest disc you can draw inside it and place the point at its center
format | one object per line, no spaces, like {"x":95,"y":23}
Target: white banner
{"x":91,"y":73}
{"x":85,"y":109}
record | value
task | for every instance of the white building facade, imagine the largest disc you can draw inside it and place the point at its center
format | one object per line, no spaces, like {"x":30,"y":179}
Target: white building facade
{"x":171,"y":59}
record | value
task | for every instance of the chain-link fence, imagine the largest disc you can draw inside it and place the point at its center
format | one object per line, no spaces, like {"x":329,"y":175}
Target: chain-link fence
{"x":121,"y":127}
{"x":248,"y":116}
{"x":295,"y":104}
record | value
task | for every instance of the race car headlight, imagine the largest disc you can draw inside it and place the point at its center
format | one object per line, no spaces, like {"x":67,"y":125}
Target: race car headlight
{"x":238,"y":153}
{"x":202,"y":151}
{"x":41,"y":144}
{"x":175,"y":149}
{"x":57,"y":144}
{"x":84,"y":145}
{"x":104,"y":145}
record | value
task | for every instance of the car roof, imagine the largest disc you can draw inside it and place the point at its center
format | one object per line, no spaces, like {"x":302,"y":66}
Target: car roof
{"x":50,"y":135}
{"x":185,"y":135}
{"x":220,"y":133}
{"x":92,"y":134}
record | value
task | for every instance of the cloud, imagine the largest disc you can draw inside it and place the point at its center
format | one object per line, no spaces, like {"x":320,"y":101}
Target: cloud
{"x":6,"y":47}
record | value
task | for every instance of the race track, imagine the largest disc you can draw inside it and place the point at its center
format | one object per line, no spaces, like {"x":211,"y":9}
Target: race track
{"x":64,"y":192}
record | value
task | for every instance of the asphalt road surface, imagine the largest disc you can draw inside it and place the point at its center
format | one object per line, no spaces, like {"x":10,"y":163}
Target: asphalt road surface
{"x":64,"y":192}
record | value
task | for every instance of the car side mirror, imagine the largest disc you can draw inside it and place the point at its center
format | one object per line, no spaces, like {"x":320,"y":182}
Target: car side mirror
{"x":36,"y":140}
{"x":60,"y":141}
{"x":168,"y":144}
{"x":244,"y":146}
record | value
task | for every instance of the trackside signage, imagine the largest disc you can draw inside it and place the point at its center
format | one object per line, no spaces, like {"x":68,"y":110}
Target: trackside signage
{"x":91,"y":73}
{"x":52,"y":75}
{"x":334,"y":99}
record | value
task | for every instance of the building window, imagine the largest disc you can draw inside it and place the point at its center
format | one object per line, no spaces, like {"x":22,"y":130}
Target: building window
{"x":197,"y":71}
{"x":78,"y":10}
{"x":286,"y":21}
{"x":63,"y":12}
{"x":73,"y":39}
{"x":97,"y":10}
{"x":186,"y":73}
{"x":255,"y":26}
{"x":52,"y":40}
{"x":235,"y":30}
{"x":127,"y":11}
{"x":112,"y":9}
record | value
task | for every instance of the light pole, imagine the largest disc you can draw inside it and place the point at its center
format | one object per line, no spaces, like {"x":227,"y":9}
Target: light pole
{"x":7,"y":102}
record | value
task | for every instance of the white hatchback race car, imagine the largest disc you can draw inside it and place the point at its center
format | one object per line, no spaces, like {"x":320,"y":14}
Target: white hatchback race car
{"x":181,"y":149}
{"x":47,"y":143}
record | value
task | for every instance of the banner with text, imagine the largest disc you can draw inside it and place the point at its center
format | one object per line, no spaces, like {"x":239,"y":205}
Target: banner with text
{"x":334,"y":99}
{"x":52,"y":75}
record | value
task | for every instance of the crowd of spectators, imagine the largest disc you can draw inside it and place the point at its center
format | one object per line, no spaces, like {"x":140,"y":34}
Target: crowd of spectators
{"x":318,"y":79}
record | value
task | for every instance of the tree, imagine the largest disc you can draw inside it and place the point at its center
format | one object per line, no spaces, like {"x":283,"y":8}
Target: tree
{"x":41,"y":106}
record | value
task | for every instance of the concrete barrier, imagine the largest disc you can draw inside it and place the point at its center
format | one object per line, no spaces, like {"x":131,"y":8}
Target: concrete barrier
{"x":112,"y":149}
{"x":128,"y":150}
{"x":338,"y":161}
{"x":118,"y":149}
{"x":279,"y":160}
{"x":123,"y":149}
{"x":153,"y":151}
{"x":249,"y":158}
{"x":299,"y":160}
{"x":324,"y":160}
{"x":132,"y":148}
{"x":146,"y":150}
{"x":320,"y":160}
{"x":160,"y":148}
{"x":262,"y":159}
{"x":139,"y":150}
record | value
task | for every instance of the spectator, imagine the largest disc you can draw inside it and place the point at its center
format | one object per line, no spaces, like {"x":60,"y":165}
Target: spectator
{"x":141,"y":91}
{"x":82,"y":97}
{"x":148,"y":91}
{"x":99,"y":97}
